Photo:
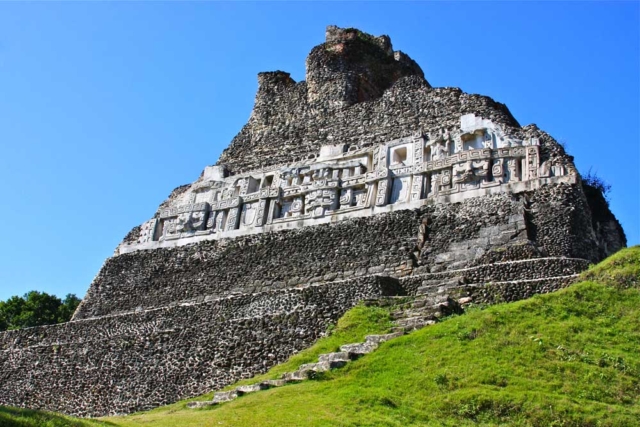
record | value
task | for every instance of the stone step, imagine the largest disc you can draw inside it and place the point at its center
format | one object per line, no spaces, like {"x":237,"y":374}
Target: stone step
{"x":433,"y":287}
{"x":295,"y":376}
{"x":429,"y":300}
{"x":432,"y":312}
{"x":224,"y":396}
{"x":245,"y":389}
{"x":358,"y":349}
{"x":418,"y":303}
{"x":413,"y":323}
{"x":325,"y":362}
{"x":274,"y":383}
{"x":196,"y":405}
{"x":377,"y":339}
{"x":323,"y":366}
{"x":398,"y":329}
{"x":328,"y":357}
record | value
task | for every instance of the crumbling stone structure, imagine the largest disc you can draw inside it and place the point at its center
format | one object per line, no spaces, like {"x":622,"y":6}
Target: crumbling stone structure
{"x":362,"y":181}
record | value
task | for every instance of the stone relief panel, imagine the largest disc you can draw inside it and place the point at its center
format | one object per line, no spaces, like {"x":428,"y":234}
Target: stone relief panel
{"x":183,"y":219}
{"x":147,"y":231}
{"x":343,"y":178}
{"x":471,"y":174}
{"x":249,"y":214}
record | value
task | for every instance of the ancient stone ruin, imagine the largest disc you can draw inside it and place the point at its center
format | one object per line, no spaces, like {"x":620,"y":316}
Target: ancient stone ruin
{"x":361,"y":182}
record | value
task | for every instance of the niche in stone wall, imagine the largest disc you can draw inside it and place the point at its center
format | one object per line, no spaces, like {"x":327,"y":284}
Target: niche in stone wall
{"x":426,"y":185}
{"x":399,"y":156}
{"x":476,"y":140}
{"x":427,"y":153}
{"x":284,"y":208}
{"x":360,"y":196}
{"x":253,"y":185}
{"x":237,"y":188}
{"x":203,"y":196}
{"x":267,"y":181}
{"x":221,"y":220}
{"x":513,"y":170}
{"x":400,"y":190}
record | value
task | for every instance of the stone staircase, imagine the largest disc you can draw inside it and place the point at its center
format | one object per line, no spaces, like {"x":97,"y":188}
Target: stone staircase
{"x":409,"y":315}
{"x":432,"y":303}
{"x":347,"y":353}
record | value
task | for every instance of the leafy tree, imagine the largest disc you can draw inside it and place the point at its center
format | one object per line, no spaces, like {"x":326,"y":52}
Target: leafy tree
{"x":34,"y":309}
{"x":68,"y":307}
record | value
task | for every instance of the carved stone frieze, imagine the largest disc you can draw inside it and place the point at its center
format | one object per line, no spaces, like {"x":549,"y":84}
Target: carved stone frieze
{"x":147,"y":231}
{"x":344,"y":178}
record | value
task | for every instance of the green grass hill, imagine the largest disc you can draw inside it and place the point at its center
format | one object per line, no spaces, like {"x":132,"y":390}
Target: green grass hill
{"x":570,"y":358}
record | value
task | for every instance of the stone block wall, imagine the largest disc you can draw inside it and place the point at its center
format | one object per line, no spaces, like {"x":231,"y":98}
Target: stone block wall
{"x":559,"y":219}
{"x":515,"y":290}
{"x":460,"y":233}
{"x":125,"y":363}
{"x":548,"y":268}
{"x":551,"y":221}
{"x":255,"y":263}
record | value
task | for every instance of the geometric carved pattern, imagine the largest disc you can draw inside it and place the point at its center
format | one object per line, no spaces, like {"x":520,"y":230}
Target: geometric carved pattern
{"x":406,"y":170}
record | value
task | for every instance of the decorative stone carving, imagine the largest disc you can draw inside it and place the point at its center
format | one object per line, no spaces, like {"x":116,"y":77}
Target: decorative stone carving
{"x":261,"y":212}
{"x":513,"y":166}
{"x":416,"y":187}
{"x":296,"y":206}
{"x":183,"y":219}
{"x":249,"y":214}
{"x":147,"y":231}
{"x":360,"y":197}
{"x":346,"y":197}
{"x":435,"y":184}
{"x":497,"y":171}
{"x":439,"y":150}
{"x":382,"y":194}
{"x":477,"y":155}
{"x":532,"y":162}
{"x":232,"y":219}
{"x":471,"y":173}
{"x":169,"y":229}
{"x":196,"y":221}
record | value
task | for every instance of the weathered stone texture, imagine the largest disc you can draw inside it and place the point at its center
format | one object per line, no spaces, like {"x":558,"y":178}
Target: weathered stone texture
{"x":560,"y":221}
{"x":256,"y":263}
{"x":609,"y":233}
{"x":472,"y":206}
{"x":479,"y":275}
{"x":476,"y":231}
{"x":124,"y":363}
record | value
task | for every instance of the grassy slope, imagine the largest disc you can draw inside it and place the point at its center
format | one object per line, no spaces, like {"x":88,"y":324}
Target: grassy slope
{"x":15,"y":417}
{"x":565,"y":359}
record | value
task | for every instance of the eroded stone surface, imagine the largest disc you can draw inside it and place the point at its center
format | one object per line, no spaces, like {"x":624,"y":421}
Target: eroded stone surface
{"x":359,"y":183}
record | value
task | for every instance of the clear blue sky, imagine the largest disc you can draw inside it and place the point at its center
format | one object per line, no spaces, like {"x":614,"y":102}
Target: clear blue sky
{"x":106,"y":107}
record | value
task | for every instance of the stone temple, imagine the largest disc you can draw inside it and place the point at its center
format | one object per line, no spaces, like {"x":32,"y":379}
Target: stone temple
{"x":360,"y":182}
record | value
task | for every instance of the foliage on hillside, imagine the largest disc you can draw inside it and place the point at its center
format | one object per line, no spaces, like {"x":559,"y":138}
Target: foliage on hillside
{"x":565,"y":359}
{"x":36,"y":308}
